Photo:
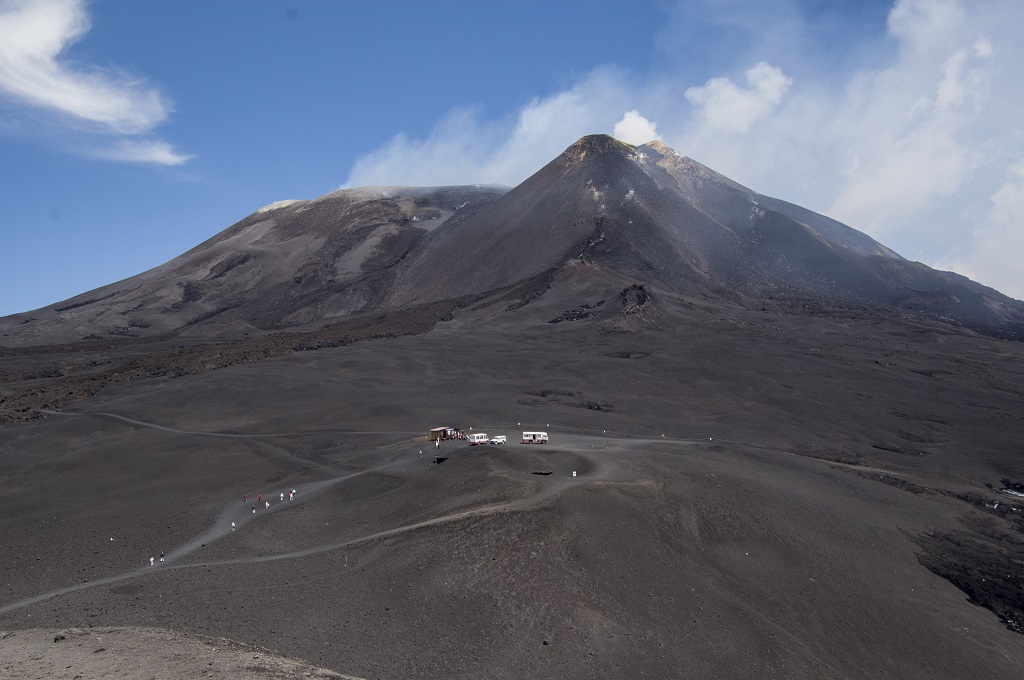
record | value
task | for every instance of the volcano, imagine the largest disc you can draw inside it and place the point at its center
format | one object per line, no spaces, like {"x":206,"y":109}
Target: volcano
{"x":775,"y":448}
{"x":643,"y":213}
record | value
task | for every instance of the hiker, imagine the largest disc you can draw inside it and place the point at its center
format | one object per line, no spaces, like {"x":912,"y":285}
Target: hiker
{"x":245,"y":498}
{"x":254,"y":509}
{"x":268,"y":505}
{"x":161,"y":557}
{"x":232,"y":526}
{"x":282,"y":496}
{"x":151,"y":561}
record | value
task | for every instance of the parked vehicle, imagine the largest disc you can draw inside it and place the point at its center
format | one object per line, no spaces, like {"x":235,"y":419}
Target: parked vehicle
{"x":535,"y":437}
{"x":477,"y":438}
{"x":500,"y":439}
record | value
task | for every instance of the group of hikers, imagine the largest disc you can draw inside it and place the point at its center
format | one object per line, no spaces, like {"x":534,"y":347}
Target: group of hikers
{"x":259,"y":499}
{"x":245,"y":499}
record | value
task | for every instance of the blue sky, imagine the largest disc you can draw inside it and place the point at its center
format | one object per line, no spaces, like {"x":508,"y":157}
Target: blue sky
{"x":132,"y":131}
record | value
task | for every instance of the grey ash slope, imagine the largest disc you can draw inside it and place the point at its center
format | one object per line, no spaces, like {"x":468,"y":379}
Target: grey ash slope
{"x":780,"y":248}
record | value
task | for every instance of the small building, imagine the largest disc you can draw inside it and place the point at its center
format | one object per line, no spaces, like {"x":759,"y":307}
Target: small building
{"x":441,"y":433}
{"x":535,"y":437}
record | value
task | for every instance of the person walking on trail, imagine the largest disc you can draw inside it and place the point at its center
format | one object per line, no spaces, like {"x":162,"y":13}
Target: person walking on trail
{"x":254,"y":509}
{"x":245,"y":498}
{"x":282,"y":496}
{"x":161,"y":557}
{"x":232,"y":526}
{"x":151,"y":560}
{"x":268,"y":505}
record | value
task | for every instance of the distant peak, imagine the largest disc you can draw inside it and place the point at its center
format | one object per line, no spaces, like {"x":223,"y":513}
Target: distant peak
{"x":367,"y":193}
{"x":597,"y":144}
{"x":276,"y":205}
{"x":661,"y":147}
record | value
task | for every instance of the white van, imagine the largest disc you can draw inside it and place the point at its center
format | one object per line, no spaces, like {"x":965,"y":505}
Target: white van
{"x":500,"y":439}
{"x":535,"y":437}
{"x":477,"y":438}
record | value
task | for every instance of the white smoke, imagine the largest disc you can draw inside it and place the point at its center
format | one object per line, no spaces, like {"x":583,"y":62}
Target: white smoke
{"x":635,"y":129}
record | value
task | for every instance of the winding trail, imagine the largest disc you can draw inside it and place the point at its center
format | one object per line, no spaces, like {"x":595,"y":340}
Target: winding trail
{"x":241,"y":514}
{"x":255,"y":439}
{"x":206,"y":433}
{"x":219,"y":530}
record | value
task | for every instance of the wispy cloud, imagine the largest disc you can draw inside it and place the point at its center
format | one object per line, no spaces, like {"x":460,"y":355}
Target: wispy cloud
{"x":910,"y":132}
{"x":997,"y":239}
{"x":465,"y":148}
{"x":92,"y":101}
{"x":917,"y":141}
{"x":722,"y":106}
{"x":140,"y":151}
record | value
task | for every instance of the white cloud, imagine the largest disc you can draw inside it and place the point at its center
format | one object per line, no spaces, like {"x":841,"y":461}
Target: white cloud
{"x":33,"y":36}
{"x":914,"y":131}
{"x":464,"y":149}
{"x":457,"y":146}
{"x":722,"y":106}
{"x":998,"y":239}
{"x":635,"y":129}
